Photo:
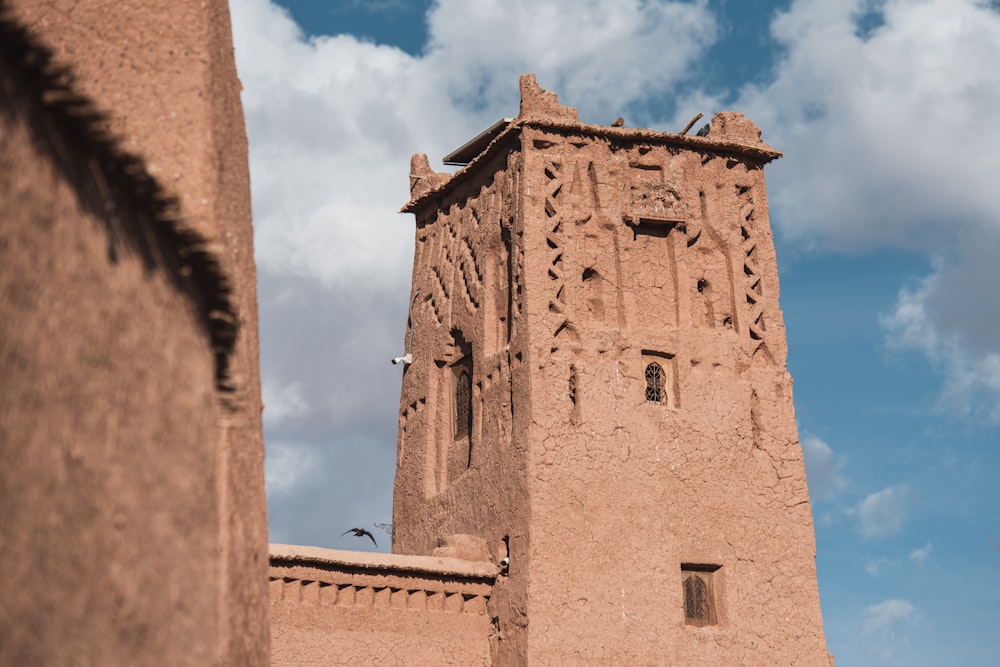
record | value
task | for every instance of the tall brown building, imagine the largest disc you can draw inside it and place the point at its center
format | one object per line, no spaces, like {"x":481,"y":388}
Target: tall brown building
{"x":596,"y":386}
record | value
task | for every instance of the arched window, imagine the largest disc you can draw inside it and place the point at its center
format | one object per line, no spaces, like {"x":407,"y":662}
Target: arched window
{"x":697,"y":607}
{"x":655,"y":380}
{"x":463,"y":403}
{"x":699,"y":581}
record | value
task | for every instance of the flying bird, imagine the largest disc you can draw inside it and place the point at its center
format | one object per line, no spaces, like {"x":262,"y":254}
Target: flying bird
{"x":619,"y":122}
{"x":360,"y":532}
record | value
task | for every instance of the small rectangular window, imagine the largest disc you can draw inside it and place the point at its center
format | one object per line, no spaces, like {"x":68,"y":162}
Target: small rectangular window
{"x":660,"y":377}
{"x":462,"y":401}
{"x":699,"y":584}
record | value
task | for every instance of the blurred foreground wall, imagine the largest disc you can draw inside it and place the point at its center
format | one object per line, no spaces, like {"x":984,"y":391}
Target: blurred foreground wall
{"x":134,"y":526}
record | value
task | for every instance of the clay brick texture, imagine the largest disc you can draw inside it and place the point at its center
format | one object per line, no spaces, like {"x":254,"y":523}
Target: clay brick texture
{"x":598,"y":390}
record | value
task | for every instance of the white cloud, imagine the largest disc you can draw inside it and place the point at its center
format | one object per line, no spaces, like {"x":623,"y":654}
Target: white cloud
{"x":822,"y":468}
{"x":332,"y":121}
{"x":953,"y":318}
{"x":888,"y":137}
{"x":600,"y":55}
{"x":874,"y":566}
{"x":887,"y":626}
{"x":890,"y":142}
{"x":883,"y":513}
{"x":286,"y":465}
{"x":282,"y":402}
{"x":919,"y":556}
{"x":330,"y":131}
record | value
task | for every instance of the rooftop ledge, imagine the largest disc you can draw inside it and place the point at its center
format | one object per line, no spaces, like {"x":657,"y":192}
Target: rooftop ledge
{"x":729,"y":134}
{"x":288,"y":554}
{"x":499,"y":132}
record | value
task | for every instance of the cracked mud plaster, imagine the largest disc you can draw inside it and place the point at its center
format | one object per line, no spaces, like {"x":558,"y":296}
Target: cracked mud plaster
{"x":571,"y":257}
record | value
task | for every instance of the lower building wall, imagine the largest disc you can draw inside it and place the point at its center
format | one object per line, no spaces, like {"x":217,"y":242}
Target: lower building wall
{"x":349,"y":608}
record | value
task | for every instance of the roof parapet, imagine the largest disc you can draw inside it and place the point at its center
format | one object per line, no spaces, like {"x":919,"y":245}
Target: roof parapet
{"x":540,"y":104}
{"x":729,"y":132}
{"x":423,"y":179}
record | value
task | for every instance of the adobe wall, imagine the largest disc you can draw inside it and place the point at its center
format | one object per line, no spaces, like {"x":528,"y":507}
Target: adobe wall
{"x":658,"y":253}
{"x":166,"y":78}
{"x":465,"y":307}
{"x":556,"y":267}
{"x":348,"y":608}
{"x":109,"y":537}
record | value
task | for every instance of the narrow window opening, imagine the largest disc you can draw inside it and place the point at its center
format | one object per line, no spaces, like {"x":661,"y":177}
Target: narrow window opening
{"x":700,"y":607}
{"x":463,"y":403}
{"x":655,"y":381}
{"x":661,"y":378}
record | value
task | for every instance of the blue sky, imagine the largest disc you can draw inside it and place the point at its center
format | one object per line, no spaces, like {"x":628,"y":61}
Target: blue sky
{"x":884,"y":212}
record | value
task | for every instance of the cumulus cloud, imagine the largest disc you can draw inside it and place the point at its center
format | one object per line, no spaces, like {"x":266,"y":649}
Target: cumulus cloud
{"x":884,"y":109}
{"x":874,"y":566}
{"x":919,"y":556}
{"x":884,"y":512}
{"x":600,"y":55}
{"x":887,"y":624}
{"x":953,"y":318}
{"x":286,"y":465}
{"x":282,"y":402}
{"x":332,"y":122}
{"x":823,"y":468}
{"x":887,"y":132}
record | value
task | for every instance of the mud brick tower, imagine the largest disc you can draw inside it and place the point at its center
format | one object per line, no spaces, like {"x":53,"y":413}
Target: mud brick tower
{"x":597,"y":388}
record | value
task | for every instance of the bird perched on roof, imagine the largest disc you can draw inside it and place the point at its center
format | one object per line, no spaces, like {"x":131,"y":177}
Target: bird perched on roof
{"x":619,"y":122}
{"x":360,"y":532}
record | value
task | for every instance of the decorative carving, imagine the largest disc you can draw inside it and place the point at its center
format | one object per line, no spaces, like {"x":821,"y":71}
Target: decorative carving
{"x":655,"y":381}
{"x":554,"y":238}
{"x":472,"y":277}
{"x":756,"y":323}
{"x":650,"y":197}
{"x":660,"y":376}
{"x":408,"y":413}
{"x":658,"y":201}
{"x":289,"y":590}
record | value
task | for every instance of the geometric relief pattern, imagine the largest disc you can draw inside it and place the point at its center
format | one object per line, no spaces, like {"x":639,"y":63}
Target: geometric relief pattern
{"x":322,"y":593}
{"x":561,"y":204}
{"x":440,"y":264}
{"x":472,"y":277}
{"x":555,"y":239}
{"x":453,"y":263}
{"x":754,"y":291}
{"x":409,"y":413}
{"x":655,"y":200}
